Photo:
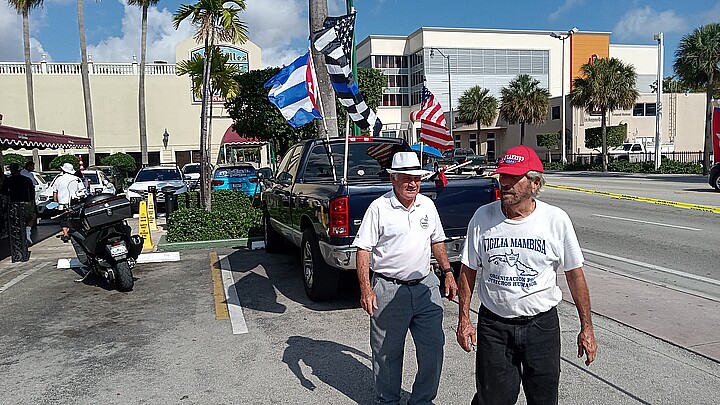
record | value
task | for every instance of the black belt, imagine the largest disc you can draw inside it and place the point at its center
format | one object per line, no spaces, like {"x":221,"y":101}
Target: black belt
{"x":398,"y":281}
{"x":517,"y":320}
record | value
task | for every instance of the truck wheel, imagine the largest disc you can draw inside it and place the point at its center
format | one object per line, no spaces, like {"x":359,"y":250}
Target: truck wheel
{"x":273,"y":240}
{"x":319,"y":279}
{"x":123,"y":277}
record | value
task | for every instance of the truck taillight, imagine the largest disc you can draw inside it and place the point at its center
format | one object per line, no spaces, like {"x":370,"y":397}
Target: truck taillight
{"x":339,"y":217}
{"x":497,"y":194}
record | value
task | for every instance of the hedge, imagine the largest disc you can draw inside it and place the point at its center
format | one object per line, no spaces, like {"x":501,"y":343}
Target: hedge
{"x":232,"y":216}
{"x":667,"y":167}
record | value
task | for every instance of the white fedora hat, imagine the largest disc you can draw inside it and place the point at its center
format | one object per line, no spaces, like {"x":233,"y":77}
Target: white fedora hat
{"x":67,"y":168}
{"x":407,"y":163}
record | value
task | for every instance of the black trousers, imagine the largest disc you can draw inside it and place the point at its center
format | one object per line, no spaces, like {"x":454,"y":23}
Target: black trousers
{"x":513,"y":350}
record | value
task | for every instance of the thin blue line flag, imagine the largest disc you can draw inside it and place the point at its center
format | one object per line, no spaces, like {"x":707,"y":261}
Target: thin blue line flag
{"x":293,"y":90}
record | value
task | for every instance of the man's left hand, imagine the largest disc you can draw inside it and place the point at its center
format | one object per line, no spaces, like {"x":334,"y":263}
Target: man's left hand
{"x":451,"y":287}
{"x":587,"y":345}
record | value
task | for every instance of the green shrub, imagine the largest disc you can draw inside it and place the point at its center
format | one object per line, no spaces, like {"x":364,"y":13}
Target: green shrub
{"x":60,"y":160}
{"x":122,"y":163}
{"x":232,"y":216}
{"x":11,"y":158}
{"x":554,"y":165}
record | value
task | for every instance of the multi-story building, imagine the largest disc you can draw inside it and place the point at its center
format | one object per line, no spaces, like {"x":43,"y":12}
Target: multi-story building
{"x":170,"y":104}
{"x":453,"y":59}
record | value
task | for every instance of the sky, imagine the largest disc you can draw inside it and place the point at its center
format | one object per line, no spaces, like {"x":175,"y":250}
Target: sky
{"x":280,"y":27}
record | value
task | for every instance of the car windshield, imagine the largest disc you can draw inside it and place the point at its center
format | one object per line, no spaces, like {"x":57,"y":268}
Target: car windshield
{"x":365,"y":160}
{"x":158,"y":175}
{"x":191,"y":169}
{"x":235,"y":171}
{"x":92,"y":178}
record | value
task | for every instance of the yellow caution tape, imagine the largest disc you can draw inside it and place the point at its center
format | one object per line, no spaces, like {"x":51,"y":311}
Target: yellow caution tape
{"x":705,"y":208}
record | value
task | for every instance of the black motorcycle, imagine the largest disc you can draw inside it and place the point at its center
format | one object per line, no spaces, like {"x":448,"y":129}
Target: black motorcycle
{"x":102,"y":239}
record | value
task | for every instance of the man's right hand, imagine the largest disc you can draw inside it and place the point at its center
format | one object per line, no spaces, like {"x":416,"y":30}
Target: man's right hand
{"x":368,"y":300}
{"x":466,"y":331}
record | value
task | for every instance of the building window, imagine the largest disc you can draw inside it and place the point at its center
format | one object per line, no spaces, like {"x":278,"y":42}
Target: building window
{"x":644,"y":110}
{"x":639,"y":110}
{"x":387,"y":134}
{"x":650,"y":109}
{"x":458,"y":141}
{"x":556,"y":112}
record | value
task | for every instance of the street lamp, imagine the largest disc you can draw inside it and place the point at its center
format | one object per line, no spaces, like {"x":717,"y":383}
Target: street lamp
{"x":165,"y":138}
{"x":432,"y":54}
{"x":658,"y":105}
{"x":563,"y":36}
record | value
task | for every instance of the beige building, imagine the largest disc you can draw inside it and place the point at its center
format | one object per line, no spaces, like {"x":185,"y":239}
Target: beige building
{"x":492,"y":58}
{"x":170,"y":105}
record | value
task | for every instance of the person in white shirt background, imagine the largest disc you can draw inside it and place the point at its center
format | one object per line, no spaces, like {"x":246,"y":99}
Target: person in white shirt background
{"x":66,"y":188}
{"x":515,"y":247}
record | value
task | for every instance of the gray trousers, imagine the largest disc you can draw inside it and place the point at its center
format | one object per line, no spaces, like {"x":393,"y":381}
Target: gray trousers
{"x":417,"y":308}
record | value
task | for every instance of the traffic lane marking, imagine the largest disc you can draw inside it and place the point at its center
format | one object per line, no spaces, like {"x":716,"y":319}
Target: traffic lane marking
{"x":231,"y":297}
{"x":221,"y":311}
{"x":19,"y":278}
{"x":698,"y":207}
{"x":647,"y":222}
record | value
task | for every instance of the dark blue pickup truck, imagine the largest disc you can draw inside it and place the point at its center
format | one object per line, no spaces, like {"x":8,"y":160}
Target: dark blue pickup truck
{"x":314,"y":209}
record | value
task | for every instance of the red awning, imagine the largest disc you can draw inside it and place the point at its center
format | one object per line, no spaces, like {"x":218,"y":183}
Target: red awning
{"x":18,"y":138}
{"x":232,"y":138}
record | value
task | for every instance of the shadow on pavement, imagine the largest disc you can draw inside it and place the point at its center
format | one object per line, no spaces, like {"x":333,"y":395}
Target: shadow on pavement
{"x":282,"y":273}
{"x":332,"y":363}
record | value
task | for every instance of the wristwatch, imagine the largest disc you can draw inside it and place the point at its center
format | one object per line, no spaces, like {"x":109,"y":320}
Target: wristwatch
{"x":446,"y":271}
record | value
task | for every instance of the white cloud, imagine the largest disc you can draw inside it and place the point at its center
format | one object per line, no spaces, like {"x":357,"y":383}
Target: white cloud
{"x":564,"y":8}
{"x":642,"y":23}
{"x":712,"y":15}
{"x":11,"y":49}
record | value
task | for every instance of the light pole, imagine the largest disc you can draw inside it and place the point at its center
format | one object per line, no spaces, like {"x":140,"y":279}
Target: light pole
{"x":432,"y":53}
{"x":658,"y":105}
{"x":563,"y":36}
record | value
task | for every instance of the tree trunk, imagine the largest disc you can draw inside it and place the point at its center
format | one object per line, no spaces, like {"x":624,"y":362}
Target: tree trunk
{"x":708,"y":127}
{"x":603,"y":136}
{"x":141,"y":89}
{"x":204,"y":147}
{"x":522,"y":133}
{"x":86,"y":85}
{"x":29,"y":82}
{"x":318,"y":13}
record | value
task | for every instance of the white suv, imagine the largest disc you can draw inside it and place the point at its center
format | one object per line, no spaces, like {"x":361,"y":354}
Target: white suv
{"x":158,"y":176}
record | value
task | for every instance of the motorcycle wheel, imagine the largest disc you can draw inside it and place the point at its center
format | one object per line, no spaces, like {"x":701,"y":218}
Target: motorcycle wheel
{"x":123,"y":276}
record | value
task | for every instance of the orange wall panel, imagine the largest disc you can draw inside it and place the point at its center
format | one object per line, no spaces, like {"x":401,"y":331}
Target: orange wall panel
{"x":583,"y":47}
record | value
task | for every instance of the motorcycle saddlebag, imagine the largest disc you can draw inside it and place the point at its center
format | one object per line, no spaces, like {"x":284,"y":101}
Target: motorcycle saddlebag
{"x":103,"y":209}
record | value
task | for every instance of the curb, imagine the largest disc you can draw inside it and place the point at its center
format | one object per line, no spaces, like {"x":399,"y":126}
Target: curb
{"x":164,"y":246}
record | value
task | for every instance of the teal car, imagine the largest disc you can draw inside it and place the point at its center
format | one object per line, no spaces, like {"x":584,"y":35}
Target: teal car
{"x":239,"y":177}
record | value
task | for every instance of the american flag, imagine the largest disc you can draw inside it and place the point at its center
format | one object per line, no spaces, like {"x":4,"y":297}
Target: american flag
{"x":335,"y":42}
{"x":433,"y":130}
{"x":381,"y":152}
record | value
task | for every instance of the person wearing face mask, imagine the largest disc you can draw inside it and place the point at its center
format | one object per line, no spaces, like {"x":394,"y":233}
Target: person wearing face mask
{"x":398,"y":232}
{"x":515,"y":247}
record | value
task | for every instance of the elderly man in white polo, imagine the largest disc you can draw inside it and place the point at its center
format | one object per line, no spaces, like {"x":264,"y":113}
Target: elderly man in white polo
{"x":398,"y":232}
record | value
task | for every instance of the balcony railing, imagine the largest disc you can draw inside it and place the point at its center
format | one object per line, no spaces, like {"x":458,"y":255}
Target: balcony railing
{"x":53,"y":68}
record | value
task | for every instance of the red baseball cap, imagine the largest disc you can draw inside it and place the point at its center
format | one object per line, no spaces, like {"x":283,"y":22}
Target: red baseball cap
{"x":518,"y":161}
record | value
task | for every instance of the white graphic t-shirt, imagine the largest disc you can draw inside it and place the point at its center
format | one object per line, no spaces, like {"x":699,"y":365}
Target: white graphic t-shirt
{"x":518,"y":260}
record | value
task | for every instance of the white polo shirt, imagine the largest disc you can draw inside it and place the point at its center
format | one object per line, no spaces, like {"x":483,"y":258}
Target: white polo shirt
{"x":517,"y":261}
{"x":399,"y":238}
{"x":67,"y":187}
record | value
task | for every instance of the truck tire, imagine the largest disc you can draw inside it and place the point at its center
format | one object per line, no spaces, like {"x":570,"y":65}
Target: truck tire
{"x":716,"y":182}
{"x":320,"y":280}
{"x":273,"y":240}
{"x":123,"y":277}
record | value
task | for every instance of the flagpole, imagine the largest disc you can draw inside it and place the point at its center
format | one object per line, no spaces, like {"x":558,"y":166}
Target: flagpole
{"x":350,"y":9}
{"x":347,"y":147}
{"x":322,"y":112}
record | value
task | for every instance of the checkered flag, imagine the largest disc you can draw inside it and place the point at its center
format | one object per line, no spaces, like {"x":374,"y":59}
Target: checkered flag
{"x":335,"y":42}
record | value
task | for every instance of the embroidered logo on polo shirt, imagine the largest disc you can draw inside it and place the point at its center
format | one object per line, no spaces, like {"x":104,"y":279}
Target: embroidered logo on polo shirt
{"x":424,"y":222}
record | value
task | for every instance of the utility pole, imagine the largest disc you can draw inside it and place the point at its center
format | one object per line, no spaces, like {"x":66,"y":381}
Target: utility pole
{"x":318,"y":13}
{"x":658,"y":104}
{"x":562,"y":36}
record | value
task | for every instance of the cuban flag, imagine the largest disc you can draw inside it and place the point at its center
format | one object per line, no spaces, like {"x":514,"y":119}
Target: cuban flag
{"x":293,"y":90}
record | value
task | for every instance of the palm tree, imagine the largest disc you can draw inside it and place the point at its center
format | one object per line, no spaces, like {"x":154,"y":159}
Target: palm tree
{"x":522,"y":101}
{"x":144,"y":4}
{"x":476,"y":106}
{"x":86,"y":85}
{"x":214,"y":22}
{"x":608,"y":84}
{"x":23,"y":7}
{"x":696,"y":62}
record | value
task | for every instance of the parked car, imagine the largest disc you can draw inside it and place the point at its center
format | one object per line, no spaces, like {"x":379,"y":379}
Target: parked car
{"x":191,"y":171}
{"x":306,"y":205}
{"x":159,"y":177}
{"x":98,"y":183}
{"x":114,"y":177}
{"x":459,"y":155}
{"x":49,"y":175}
{"x":237,"y":176}
{"x":714,"y":176}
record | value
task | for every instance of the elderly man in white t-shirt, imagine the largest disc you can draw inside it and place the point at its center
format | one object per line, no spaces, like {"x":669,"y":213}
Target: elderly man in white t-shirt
{"x":516,"y":247}
{"x":397,"y":234}
{"x":66,"y":188}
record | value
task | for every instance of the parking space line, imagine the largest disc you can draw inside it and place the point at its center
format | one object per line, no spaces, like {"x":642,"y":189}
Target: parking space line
{"x":233,"y":300}
{"x":221,"y":311}
{"x":22,"y":276}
